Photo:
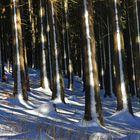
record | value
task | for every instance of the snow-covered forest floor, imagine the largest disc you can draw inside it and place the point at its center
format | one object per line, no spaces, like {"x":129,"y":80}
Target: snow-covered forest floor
{"x":40,"y":119}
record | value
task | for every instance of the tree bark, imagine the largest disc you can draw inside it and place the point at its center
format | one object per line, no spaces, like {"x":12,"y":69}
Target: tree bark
{"x":58,"y":83}
{"x":123,"y":102}
{"x":93,"y":108}
{"x":20,"y":86}
{"x":43,"y":43}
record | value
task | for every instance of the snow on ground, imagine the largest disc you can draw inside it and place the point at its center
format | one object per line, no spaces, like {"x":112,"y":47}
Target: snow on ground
{"x":43,"y":119}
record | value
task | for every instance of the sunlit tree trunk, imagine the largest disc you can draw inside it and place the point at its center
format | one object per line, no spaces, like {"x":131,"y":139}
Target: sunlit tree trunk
{"x":93,"y":108}
{"x":43,"y":43}
{"x":119,"y":56}
{"x":49,"y":58}
{"x":20,"y":86}
{"x":58,"y":84}
{"x":68,"y":48}
{"x":8,"y":52}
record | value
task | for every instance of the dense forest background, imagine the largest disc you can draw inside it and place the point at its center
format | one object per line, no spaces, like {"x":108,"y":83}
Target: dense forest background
{"x":98,"y":41}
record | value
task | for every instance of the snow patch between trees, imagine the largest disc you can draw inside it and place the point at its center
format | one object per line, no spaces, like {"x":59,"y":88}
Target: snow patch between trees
{"x":125,"y":117}
{"x":43,"y":110}
{"x":21,"y":100}
{"x":84,"y":123}
{"x":44,"y":90}
{"x":100,"y":136}
{"x":132,"y":137}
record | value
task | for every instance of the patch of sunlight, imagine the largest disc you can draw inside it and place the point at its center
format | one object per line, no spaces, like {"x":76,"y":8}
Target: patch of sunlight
{"x":64,"y":112}
{"x":73,"y":120}
{"x":73,"y":102}
{"x":84,"y":123}
{"x":138,"y":39}
{"x":20,"y":97}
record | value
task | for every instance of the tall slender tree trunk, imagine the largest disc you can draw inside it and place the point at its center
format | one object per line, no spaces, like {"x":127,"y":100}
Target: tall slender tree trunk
{"x":20,"y":86}
{"x":101,"y":77}
{"x":0,"y":49}
{"x":108,"y":70}
{"x":137,"y":44}
{"x":26,"y":67}
{"x":32,"y":22}
{"x":27,"y":82}
{"x":130,"y":50}
{"x":49,"y":60}
{"x":68,"y":48}
{"x":63,"y":38}
{"x":3,"y":39}
{"x":93,"y":108}
{"x":43,"y":43}
{"x":58,"y":83}
{"x":121,"y":91}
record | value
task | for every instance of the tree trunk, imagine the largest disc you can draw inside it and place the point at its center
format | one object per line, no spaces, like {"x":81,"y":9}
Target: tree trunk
{"x":130,"y":54}
{"x":32,"y":22}
{"x":93,"y":109}
{"x":49,"y":60}
{"x":63,"y":39}
{"x":3,"y":40}
{"x":43,"y":43}
{"x":137,"y":44}
{"x":58,"y":84}
{"x":68,"y":48}
{"x":20,"y":86}
{"x":108,"y":70}
{"x":121,"y":91}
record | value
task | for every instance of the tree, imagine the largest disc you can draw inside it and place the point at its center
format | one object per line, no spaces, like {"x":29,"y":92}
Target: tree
{"x":119,"y":57}
{"x":58,"y":83}
{"x":20,"y":86}
{"x":93,"y":109}
{"x":136,"y":41}
{"x":130,"y":51}
{"x":68,"y":47}
{"x":43,"y":44}
{"x":3,"y":41}
{"x":30,"y":13}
